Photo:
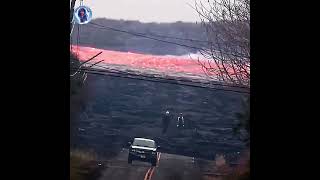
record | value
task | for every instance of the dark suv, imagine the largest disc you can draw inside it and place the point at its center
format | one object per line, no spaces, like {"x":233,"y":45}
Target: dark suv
{"x":143,"y":150}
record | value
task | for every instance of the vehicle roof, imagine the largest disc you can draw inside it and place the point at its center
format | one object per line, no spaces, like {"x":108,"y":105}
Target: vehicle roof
{"x":144,"y":139}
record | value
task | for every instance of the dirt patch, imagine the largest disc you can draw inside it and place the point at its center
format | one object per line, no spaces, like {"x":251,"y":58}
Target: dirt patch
{"x":84,"y":166}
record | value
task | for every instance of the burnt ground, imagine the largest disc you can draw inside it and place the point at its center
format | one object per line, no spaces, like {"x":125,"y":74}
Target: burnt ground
{"x":116,"y":109}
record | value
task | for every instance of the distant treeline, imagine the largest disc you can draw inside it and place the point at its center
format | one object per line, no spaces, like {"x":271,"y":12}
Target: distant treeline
{"x":93,"y":36}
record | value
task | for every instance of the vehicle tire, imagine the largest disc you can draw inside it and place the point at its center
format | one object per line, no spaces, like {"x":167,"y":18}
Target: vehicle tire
{"x":129,"y":160}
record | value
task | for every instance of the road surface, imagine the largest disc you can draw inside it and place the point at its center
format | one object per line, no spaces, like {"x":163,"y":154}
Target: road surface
{"x":169,"y":166}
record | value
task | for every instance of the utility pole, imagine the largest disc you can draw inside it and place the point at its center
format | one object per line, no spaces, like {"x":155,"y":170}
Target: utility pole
{"x":73,"y":2}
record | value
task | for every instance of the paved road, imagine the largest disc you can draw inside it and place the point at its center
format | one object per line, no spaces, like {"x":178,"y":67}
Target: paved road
{"x":170,"y":167}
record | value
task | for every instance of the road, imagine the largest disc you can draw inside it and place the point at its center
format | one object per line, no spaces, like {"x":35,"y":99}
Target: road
{"x":169,"y":166}
{"x":115,"y":110}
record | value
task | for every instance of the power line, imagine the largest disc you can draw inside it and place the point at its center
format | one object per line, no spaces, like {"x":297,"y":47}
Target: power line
{"x":90,"y":59}
{"x":163,"y":36}
{"x":167,"y":82}
{"x":182,"y":80}
{"x":126,"y":73}
{"x":78,"y":39}
{"x":114,"y":74}
{"x":169,"y":42}
{"x":142,"y":35}
{"x":177,"y":38}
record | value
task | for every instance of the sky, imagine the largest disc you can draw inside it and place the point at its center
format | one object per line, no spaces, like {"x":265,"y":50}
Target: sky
{"x":143,"y":10}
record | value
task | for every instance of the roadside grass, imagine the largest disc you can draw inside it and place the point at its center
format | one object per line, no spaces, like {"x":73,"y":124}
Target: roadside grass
{"x":240,"y":172}
{"x":83,"y":165}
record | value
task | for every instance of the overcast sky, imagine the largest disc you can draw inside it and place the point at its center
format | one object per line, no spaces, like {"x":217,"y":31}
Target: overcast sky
{"x":143,"y":10}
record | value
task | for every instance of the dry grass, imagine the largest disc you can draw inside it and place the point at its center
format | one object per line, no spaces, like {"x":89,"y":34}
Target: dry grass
{"x":240,"y":172}
{"x":83,"y":165}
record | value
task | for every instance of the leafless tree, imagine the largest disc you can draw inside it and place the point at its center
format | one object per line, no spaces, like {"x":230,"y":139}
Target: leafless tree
{"x":227,"y":25}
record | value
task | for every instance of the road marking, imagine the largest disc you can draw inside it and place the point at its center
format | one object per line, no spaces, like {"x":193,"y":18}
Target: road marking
{"x":147,"y":174}
{"x":159,"y":154}
{"x":150,"y":171}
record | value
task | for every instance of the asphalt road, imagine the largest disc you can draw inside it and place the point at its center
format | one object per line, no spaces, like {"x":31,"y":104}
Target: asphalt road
{"x":170,"y":167}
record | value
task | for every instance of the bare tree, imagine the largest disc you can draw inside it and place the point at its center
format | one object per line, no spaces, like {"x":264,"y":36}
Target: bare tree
{"x":227,"y":25}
